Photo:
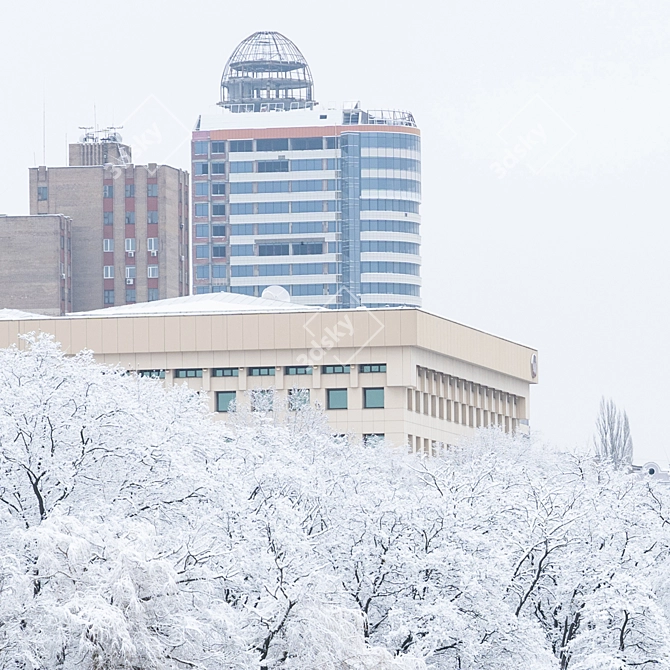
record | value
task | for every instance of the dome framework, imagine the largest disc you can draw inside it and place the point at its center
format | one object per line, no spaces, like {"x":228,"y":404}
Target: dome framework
{"x":266,"y":72}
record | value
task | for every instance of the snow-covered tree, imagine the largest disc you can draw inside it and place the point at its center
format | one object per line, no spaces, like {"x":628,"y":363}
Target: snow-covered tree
{"x":613,"y":440}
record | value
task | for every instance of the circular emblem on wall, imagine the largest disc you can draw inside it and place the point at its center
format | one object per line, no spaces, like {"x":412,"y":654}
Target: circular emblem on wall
{"x":533,"y":366}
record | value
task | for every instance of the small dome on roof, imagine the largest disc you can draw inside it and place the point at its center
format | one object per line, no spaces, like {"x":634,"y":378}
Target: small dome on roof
{"x":266,"y":72}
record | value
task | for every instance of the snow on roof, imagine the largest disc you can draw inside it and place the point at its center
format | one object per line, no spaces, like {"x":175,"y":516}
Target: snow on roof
{"x":207,"y":303}
{"x":18,"y":315}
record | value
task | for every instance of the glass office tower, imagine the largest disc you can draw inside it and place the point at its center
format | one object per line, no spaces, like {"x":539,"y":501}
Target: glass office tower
{"x":323,"y":202}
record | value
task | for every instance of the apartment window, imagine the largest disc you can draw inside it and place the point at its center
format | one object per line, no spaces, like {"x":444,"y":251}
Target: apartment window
{"x":130,"y":244}
{"x":108,"y":218}
{"x":189,"y":373}
{"x":109,"y":297}
{"x":335,"y":369}
{"x":307,"y":249}
{"x":239,"y":146}
{"x":218,"y":231}
{"x":242,"y":271}
{"x":309,"y":164}
{"x":218,"y":147}
{"x":201,"y":188}
{"x":199,"y":290}
{"x":242,"y":187}
{"x":130,"y":218}
{"x":225,"y":372}
{"x":219,"y":251}
{"x":224,"y":400}
{"x":273,"y":187}
{"x":242,"y":250}
{"x":218,"y":210}
{"x":202,"y":271}
{"x":273,"y":228}
{"x":331,"y":142}
{"x":242,"y":208}
{"x":336,"y":398}
{"x":42,"y":193}
{"x":200,"y":148}
{"x":306,"y":143}
{"x":152,"y":374}
{"x":108,"y":245}
{"x":130,"y":190}
{"x":152,"y":271}
{"x":108,"y":272}
{"x":152,"y":216}
{"x":273,"y":166}
{"x":219,"y":271}
{"x":372,"y":367}
{"x":153,"y":294}
{"x":242,"y":290}
{"x":201,"y":168}
{"x":242,"y":229}
{"x":242,"y":166}
{"x":202,"y":251}
{"x":273,"y":249}
{"x":273,"y":207}
{"x":298,"y":370}
{"x":373,"y":398}
{"x":272,"y":145}
{"x":274,"y":270}
{"x":297,"y":399}
{"x":201,"y":209}
{"x":218,"y":188}
{"x":218,"y":168}
{"x":261,"y":372}
{"x":152,"y":244}
{"x":152,"y":190}
{"x":131,"y":272}
{"x":131,"y":296}
{"x":202,"y":230}
{"x":307,"y":227}
{"x":108,"y":191}
{"x":307,"y":185}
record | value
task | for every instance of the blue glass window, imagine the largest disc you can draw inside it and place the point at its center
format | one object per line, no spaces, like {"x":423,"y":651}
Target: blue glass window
{"x":218,"y":147}
{"x":333,"y":164}
{"x":390,"y":226}
{"x":242,"y":250}
{"x":336,"y":398}
{"x":273,"y":187}
{"x":241,"y":187}
{"x":307,"y":248}
{"x":108,"y":218}
{"x":389,"y":267}
{"x":218,"y":168}
{"x":273,"y":249}
{"x":152,"y":190}
{"x":218,"y":288}
{"x":218,"y":188}
{"x":373,"y":398}
{"x":298,"y":370}
{"x":307,"y":227}
{"x":239,"y":146}
{"x":238,"y":208}
{"x":261,"y":372}
{"x":306,"y":143}
{"x":219,"y":251}
{"x":273,"y":270}
{"x":242,"y":229}
{"x":306,"y":164}
{"x":307,"y":185}
{"x":152,"y":216}
{"x":273,"y":228}
{"x":372,"y":367}
{"x":390,"y":206}
{"x":130,"y":190}
{"x":391,"y":141}
{"x":202,"y":271}
{"x":388,"y":246}
{"x":201,"y":168}
{"x":244,"y":290}
{"x":398,"y":289}
{"x":225,"y":372}
{"x":202,"y":188}
{"x":130,"y":218}
{"x":273,"y":166}
{"x":390,"y":163}
{"x":273,"y":207}
{"x":241,"y":166}
{"x":312,"y":289}
{"x":218,"y":210}
{"x":201,"y":209}
{"x":308,"y":268}
{"x":224,"y":400}
{"x":201,"y":289}
{"x":336,"y":369}
{"x":331,"y":142}
{"x":202,"y":230}
{"x":108,"y":191}
{"x":200,"y":148}
{"x":219,"y":271}
{"x":307,"y":206}
{"x":202,"y":251}
{"x":241,"y":270}
{"x":218,"y":230}
{"x":272,"y":145}
{"x":387,"y":184}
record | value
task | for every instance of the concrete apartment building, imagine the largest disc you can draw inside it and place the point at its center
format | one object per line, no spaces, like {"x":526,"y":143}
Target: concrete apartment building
{"x":35,"y":264}
{"x":129,"y":223}
{"x":413,"y":377}
{"x":322,"y":201}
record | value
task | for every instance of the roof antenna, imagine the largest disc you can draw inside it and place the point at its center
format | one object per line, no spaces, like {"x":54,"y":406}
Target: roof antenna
{"x":44,"y":124}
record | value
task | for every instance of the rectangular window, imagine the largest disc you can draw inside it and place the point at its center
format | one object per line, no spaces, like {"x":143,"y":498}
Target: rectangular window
{"x":218,"y":168}
{"x":201,"y":168}
{"x":274,"y":270}
{"x":242,"y":187}
{"x":273,"y":207}
{"x":152,"y":216}
{"x":300,"y":185}
{"x":130,"y":218}
{"x":331,"y":142}
{"x":129,"y":244}
{"x":219,"y":251}
{"x":152,"y":374}
{"x":202,"y":188}
{"x":243,"y":290}
{"x":108,"y":245}
{"x":242,"y":250}
{"x":202,"y":230}
{"x":219,"y":271}
{"x":187,"y":374}
{"x":297,"y":399}
{"x":218,"y":210}
{"x":224,"y":400}
{"x":218,"y":147}
{"x":273,"y":166}
{"x":108,"y":218}
{"x":307,"y":206}
{"x":152,"y":244}
{"x":109,"y":297}
{"x":240,"y":146}
{"x":273,"y":228}
{"x":272,"y":145}
{"x":218,"y":231}
{"x":108,"y":191}
{"x":372,"y":367}
{"x":225,"y":372}
{"x":307,"y":249}
{"x":152,"y":190}
{"x":152,"y":271}
{"x":42,"y":193}
{"x":131,"y":272}
{"x":261,"y":372}
{"x":308,"y":164}
{"x":298,"y":370}
{"x":243,"y":229}
{"x":218,"y":188}
{"x":131,"y":296}
{"x":201,"y":209}
{"x":202,"y":271}
{"x":200,"y":148}
{"x":373,"y":398}
{"x":336,"y":369}
{"x":240,"y":208}
{"x":241,"y":166}
{"x":306,"y":143}
{"x":153,"y":294}
{"x":108,"y":272}
{"x":307,"y":227}
{"x":336,"y":398}
{"x":199,"y":290}
{"x":332,"y":164}
{"x":241,"y":270}
{"x":273,"y":249}
{"x":273,"y":186}
{"x":202,"y":251}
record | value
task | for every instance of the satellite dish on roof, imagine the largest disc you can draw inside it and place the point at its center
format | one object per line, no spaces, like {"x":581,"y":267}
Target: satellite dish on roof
{"x":276,"y":293}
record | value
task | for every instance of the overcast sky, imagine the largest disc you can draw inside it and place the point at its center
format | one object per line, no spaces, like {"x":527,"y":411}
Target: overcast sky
{"x":545,"y":154}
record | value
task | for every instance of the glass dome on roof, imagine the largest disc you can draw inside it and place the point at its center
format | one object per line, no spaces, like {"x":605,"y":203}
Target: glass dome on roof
{"x":266,"y":72}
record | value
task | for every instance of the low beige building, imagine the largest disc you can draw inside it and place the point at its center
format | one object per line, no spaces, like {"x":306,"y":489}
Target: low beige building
{"x":403,"y":373}
{"x":35,"y":264}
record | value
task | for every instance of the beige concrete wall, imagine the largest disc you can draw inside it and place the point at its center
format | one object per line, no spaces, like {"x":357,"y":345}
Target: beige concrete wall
{"x":35,"y":264}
